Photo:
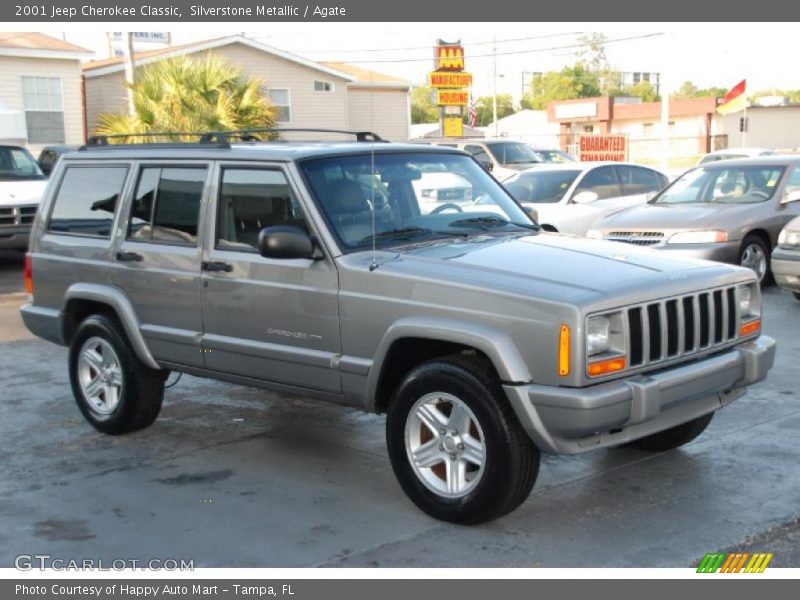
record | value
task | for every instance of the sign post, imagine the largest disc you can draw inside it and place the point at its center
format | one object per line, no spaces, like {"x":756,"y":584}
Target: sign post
{"x":449,"y":81}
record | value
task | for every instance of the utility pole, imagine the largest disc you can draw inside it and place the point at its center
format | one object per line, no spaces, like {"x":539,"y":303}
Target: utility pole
{"x":129,"y":76}
{"x":494,"y":82}
{"x":664,"y":88}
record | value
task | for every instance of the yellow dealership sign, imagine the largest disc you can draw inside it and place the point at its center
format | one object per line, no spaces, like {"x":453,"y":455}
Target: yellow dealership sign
{"x":453,"y":126}
{"x":452,"y":97}
{"x":449,"y":79}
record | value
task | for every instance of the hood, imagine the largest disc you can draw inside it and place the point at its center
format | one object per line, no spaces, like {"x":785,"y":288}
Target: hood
{"x":553,"y":266}
{"x":663,"y":217}
{"x":15,"y":193}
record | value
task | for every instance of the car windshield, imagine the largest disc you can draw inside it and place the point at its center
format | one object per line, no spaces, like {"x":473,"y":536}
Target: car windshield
{"x":732,"y":185}
{"x":415,"y":197}
{"x":540,"y":186}
{"x":16,"y":164}
{"x":554,"y":156}
{"x":512,"y":153}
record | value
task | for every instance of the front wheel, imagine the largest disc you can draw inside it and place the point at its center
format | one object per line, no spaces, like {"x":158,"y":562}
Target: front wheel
{"x":673,"y":437}
{"x":754,"y":255}
{"x":456,"y":445}
{"x":796,"y":295}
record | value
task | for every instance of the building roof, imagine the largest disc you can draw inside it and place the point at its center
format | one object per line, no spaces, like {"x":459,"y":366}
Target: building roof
{"x":368,"y":77}
{"x":37,"y":45}
{"x":98,"y":68}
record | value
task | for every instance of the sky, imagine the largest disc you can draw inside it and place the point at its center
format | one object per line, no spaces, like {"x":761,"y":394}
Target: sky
{"x":707,"y":54}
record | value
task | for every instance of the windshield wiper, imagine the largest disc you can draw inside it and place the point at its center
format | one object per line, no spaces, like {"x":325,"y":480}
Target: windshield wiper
{"x":401,"y":233}
{"x":486,"y":223}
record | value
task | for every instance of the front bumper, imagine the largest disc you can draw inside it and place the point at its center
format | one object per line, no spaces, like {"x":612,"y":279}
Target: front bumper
{"x":572,"y":420}
{"x":786,"y":268}
{"x":14,"y":238}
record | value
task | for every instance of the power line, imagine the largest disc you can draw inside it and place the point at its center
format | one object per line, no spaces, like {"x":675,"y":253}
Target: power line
{"x":516,"y":52}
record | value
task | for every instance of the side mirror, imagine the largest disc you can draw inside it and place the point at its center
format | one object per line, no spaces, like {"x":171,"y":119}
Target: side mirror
{"x":486,"y":164}
{"x":585,"y":197}
{"x":789,"y":197}
{"x":286,"y":241}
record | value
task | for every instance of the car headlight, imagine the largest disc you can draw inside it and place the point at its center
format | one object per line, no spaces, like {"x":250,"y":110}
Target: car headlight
{"x":698,"y":237}
{"x":789,"y":238}
{"x":598,"y":335}
{"x":594,"y":234}
{"x":749,"y":302}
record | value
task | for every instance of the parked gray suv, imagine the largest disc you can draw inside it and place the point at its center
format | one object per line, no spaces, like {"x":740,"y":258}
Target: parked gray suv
{"x":313,"y":269}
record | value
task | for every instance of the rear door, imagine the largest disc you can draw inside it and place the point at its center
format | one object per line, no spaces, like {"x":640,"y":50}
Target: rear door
{"x":157,"y":261}
{"x":269,"y":319}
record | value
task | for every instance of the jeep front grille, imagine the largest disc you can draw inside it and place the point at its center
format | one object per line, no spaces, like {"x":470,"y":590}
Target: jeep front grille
{"x":639,"y":238}
{"x":17,"y":215}
{"x":681,"y":326}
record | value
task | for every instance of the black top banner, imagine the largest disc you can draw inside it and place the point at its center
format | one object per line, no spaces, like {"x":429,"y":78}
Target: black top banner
{"x":408,"y":10}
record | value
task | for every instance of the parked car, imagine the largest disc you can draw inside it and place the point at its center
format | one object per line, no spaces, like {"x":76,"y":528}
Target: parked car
{"x":571,"y":197}
{"x":22,"y":184}
{"x":485,"y":340}
{"x":553,"y":155}
{"x":50,"y":155}
{"x":786,"y":258}
{"x":732,"y":153}
{"x":502,"y":157}
{"x":731,"y":211}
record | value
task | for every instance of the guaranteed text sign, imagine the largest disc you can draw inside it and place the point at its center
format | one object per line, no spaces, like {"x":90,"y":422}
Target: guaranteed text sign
{"x":593,"y":148}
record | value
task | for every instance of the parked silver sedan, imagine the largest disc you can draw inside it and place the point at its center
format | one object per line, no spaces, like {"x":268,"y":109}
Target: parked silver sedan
{"x":731,"y":211}
{"x":786,"y":258}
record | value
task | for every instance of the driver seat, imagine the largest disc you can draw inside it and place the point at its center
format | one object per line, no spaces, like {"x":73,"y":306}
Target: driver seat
{"x":349,"y":210}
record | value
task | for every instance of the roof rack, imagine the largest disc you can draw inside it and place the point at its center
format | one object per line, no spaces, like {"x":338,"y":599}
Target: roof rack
{"x":219,"y":139}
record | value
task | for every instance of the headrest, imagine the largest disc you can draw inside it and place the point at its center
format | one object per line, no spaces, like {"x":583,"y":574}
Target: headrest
{"x":346,"y":197}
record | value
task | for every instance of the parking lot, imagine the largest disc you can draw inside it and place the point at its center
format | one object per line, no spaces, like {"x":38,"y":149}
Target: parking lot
{"x":236,"y":477}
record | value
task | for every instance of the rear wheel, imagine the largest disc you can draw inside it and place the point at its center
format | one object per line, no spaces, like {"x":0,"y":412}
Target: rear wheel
{"x":456,"y":445}
{"x":674,"y":437}
{"x":754,"y":255}
{"x":114,"y":390}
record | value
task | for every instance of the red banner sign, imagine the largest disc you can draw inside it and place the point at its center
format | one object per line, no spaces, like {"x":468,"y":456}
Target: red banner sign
{"x":595,"y":148}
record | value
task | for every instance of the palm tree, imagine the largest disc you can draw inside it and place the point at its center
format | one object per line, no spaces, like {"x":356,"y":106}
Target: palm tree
{"x":182,"y":94}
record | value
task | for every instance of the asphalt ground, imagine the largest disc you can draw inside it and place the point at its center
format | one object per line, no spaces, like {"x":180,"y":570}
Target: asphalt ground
{"x":235,"y":477}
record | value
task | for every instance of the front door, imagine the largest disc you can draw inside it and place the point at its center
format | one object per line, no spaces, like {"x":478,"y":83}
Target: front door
{"x":157,"y":263}
{"x":266,"y":319}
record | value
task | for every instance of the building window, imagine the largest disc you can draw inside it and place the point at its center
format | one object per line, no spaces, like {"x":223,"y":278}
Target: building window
{"x":44,"y":109}
{"x":281,"y":101}
{"x":322,"y":86}
{"x":637,"y":77}
{"x":588,"y":129}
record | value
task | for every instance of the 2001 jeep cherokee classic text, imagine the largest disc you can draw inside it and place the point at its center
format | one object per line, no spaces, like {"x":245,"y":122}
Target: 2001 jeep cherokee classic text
{"x":310,"y":269}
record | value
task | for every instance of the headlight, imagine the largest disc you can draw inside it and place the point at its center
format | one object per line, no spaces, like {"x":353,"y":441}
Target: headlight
{"x":789,"y":238}
{"x":748,"y":302}
{"x":698,"y":237}
{"x":598,"y":335}
{"x":594,"y":234}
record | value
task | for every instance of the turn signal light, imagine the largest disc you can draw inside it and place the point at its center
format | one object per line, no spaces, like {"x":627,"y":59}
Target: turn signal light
{"x":27,"y":273}
{"x":603,"y":367}
{"x":750,"y":328}
{"x":563,"y":351}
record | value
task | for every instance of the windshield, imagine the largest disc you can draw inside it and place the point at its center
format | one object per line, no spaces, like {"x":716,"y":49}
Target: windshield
{"x":554,"y":156}
{"x":540,"y":186}
{"x":733,"y":185}
{"x":416,"y":197}
{"x":512,"y":153}
{"x":16,"y":164}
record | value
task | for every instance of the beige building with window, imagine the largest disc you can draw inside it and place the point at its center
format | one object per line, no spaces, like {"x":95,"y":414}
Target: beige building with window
{"x":40,"y":90}
{"x":307,"y":94}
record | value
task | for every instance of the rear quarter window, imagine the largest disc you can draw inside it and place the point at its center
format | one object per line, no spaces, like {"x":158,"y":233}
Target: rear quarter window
{"x":86,"y":200}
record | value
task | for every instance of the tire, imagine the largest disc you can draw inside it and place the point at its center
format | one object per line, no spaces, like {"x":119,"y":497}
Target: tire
{"x":506,"y":462}
{"x":796,"y":295}
{"x":674,"y":437}
{"x":754,"y":255}
{"x":127,"y":394}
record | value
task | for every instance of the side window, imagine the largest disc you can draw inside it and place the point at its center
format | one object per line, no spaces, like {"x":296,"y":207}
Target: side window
{"x":637,"y":180}
{"x":166,"y":205}
{"x":793,"y":181}
{"x":249,"y":200}
{"x":474,"y":149}
{"x":602,"y":181}
{"x":86,"y":200}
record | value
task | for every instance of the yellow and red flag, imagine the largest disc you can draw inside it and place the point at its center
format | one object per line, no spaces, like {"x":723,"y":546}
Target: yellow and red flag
{"x":734,"y":101}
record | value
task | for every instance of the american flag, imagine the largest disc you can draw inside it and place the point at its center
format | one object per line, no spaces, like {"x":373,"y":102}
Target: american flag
{"x":473,"y":115}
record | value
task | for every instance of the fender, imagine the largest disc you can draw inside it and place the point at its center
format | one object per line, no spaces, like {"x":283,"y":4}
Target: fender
{"x":495,"y":344}
{"x":116,"y":299}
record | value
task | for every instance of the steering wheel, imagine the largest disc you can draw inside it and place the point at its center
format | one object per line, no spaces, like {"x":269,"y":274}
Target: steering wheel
{"x":760,"y":193}
{"x":444,"y":207}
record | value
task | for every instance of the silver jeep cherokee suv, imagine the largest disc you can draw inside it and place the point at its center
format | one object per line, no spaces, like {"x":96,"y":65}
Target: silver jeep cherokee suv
{"x":314,"y":269}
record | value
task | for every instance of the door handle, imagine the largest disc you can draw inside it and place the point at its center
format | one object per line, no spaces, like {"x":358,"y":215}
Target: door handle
{"x":218,"y":266}
{"x":129,"y":257}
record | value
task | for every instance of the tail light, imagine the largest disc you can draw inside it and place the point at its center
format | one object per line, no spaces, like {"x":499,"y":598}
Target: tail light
{"x":28,"y":274}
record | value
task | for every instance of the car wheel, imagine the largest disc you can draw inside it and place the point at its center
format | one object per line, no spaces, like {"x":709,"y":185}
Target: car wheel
{"x":796,"y":295}
{"x":455,"y":444}
{"x":674,"y":437}
{"x":114,"y":390}
{"x":754,"y":255}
